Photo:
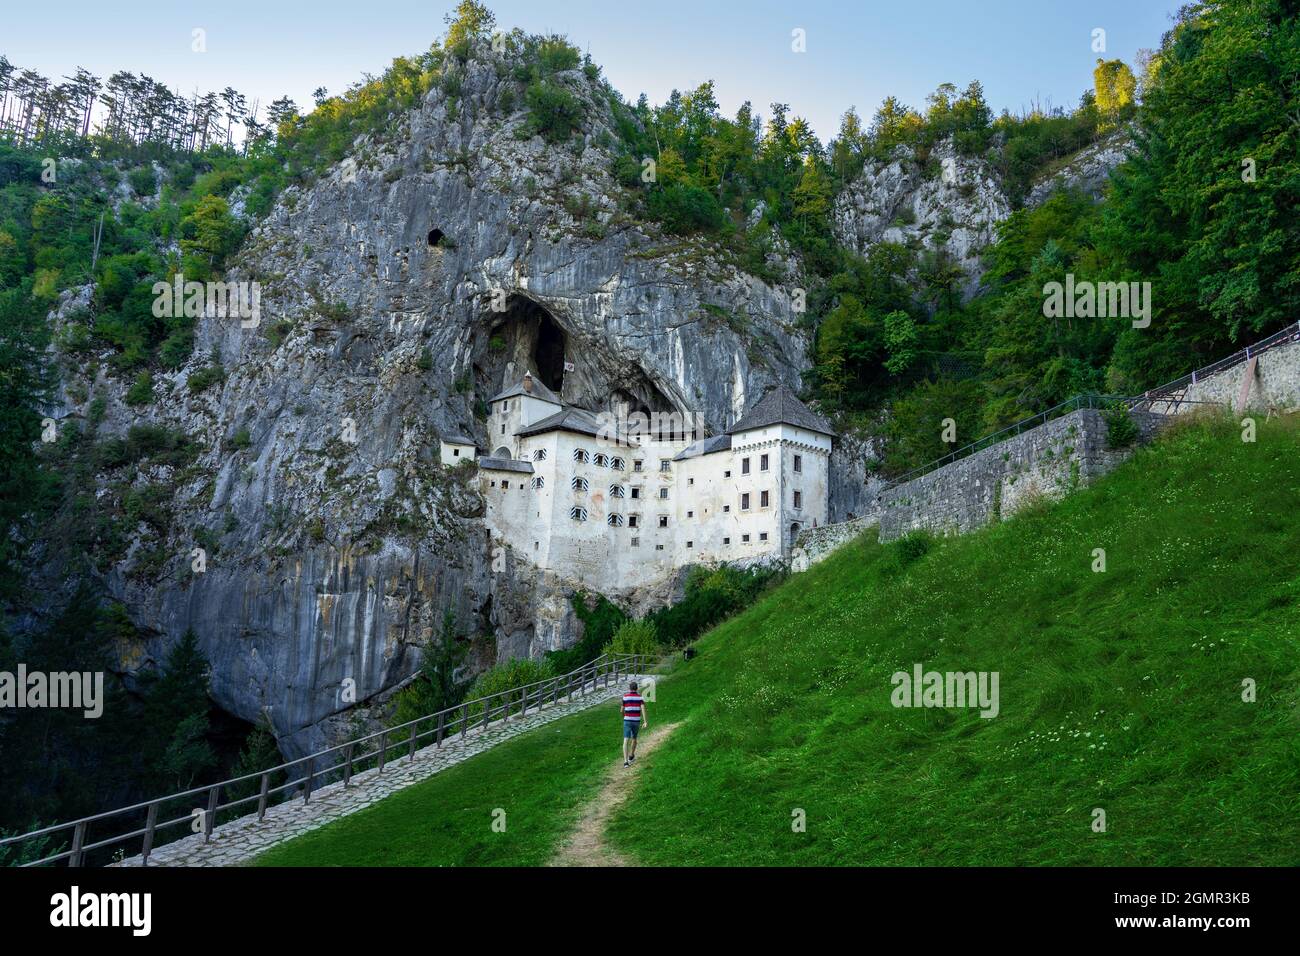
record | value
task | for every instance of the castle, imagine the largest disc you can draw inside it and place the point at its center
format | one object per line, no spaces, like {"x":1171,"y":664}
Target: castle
{"x":614,"y":504}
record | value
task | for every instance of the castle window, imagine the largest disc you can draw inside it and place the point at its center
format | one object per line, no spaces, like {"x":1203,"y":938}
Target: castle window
{"x":578,"y":483}
{"x":665,"y":465}
{"x":455,"y":453}
{"x":503,"y":428}
{"x":636,"y":466}
{"x":505,"y":484}
{"x":635,"y":542}
{"x":690,"y":514}
{"x":616,"y":463}
{"x":744,"y":466}
{"x":539,"y":455}
{"x":726,"y":509}
{"x":578,"y":514}
{"x":580,"y":455}
{"x":690,"y":544}
{"x":539,"y":482}
{"x":798,"y":464}
{"x":659,"y":547}
{"x":614,"y":521}
{"x":601,"y":461}
{"x":744,"y":539}
{"x":764,"y":499}
{"x":762,"y":463}
{"x":636,"y":492}
{"x":633,"y":521}
{"x":690,"y":481}
{"x":744,"y":502}
{"x":663,"y":493}
{"x":663,"y":521}
{"x":726,"y":474}
{"x":798,"y":499}
{"x":726,"y":541}
{"x":762,"y":536}
{"x":616,"y":491}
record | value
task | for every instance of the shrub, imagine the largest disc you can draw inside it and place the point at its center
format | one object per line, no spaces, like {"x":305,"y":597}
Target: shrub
{"x":554,"y":112}
{"x":1121,"y":430}
{"x":143,"y":180}
{"x":206,"y":377}
{"x":635,"y":637}
{"x":513,"y":673}
{"x":241,"y":439}
{"x":141,"y":391}
{"x":685,"y":209}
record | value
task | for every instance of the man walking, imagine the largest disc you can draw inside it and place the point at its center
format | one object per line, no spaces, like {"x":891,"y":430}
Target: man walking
{"x":634,"y":717}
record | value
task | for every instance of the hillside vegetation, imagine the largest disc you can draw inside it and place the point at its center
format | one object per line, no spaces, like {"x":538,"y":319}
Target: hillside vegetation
{"x":1120,"y":690}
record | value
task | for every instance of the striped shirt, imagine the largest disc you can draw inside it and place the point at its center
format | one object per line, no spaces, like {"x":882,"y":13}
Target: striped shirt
{"x":632,"y":706}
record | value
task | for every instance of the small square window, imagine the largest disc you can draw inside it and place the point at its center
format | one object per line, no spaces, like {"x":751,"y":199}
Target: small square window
{"x":663,"y":521}
{"x":665,"y":465}
{"x":505,"y":484}
{"x":762,"y":536}
{"x":455,"y":453}
{"x":726,"y":509}
{"x":636,"y":492}
{"x":632,"y":521}
{"x":744,"y":539}
{"x":690,"y":544}
{"x":726,"y":474}
{"x":726,"y":541}
{"x":659,"y":547}
{"x":690,"y":514}
{"x":636,"y":542}
{"x":663,"y":492}
{"x":636,"y":466}
{"x":690,"y":481}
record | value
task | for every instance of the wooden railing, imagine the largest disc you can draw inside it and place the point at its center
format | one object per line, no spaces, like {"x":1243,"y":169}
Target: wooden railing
{"x":254,"y":792}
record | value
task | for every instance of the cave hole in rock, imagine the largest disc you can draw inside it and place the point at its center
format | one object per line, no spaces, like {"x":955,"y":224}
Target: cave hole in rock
{"x":524,"y":337}
{"x":435,"y":236}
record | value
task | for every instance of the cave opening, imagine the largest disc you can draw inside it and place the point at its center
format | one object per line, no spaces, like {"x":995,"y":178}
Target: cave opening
{"x":435,"y":236}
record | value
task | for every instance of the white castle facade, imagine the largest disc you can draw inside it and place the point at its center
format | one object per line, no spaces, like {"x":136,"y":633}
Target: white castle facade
{"x":614,"y":508}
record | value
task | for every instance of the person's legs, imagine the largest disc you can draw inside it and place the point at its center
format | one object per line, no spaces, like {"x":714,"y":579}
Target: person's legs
{"x":636,"y":731}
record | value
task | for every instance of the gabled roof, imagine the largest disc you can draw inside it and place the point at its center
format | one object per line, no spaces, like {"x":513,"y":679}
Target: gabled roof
{"x":781,"y":407}
{"x":538,"y":391}
{"x":706,"y":446}
{"x":566,"y":420}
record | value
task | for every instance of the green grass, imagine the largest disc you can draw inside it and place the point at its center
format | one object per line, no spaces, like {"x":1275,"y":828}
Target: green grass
{"x":1120,"y":690}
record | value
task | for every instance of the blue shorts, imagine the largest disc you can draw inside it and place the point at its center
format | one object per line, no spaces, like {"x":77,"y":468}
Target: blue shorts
{"x":631,"y":728}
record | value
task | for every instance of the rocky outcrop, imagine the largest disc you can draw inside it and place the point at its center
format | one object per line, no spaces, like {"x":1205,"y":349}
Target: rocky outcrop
{"x":399,"y":292}
{"x":1087,"y":170}
{"x":951,"y":206}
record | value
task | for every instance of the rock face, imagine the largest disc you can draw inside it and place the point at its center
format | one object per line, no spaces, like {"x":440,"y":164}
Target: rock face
{"x":399,"y":292}
{"x":1088,"y":170}
{"x":952,"y":205}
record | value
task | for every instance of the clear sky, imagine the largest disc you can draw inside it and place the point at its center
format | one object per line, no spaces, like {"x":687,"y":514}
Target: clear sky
{"x":856,"y":53}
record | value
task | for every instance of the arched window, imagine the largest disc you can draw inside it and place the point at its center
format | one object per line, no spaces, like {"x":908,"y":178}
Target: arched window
{"x":539,"y":455}
{"x":616,"y":491}
{"x":617,"y":464}
{"x":580,"y":455}
{"x":538,"y":483}
{"x":578,"y":514}
{"x":502,"y":452}
{"x":578,"y":484}
{"x":614,"y":521}
{"x":601,"y":461}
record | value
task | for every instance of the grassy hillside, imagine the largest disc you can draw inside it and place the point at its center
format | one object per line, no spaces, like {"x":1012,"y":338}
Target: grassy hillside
{"x":1119,"y":690}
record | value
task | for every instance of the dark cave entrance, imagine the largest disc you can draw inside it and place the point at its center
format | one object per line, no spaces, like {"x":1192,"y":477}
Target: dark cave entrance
{"x":435,"y":236}
{"x":525,"y":337}
{"x":549,"y":352}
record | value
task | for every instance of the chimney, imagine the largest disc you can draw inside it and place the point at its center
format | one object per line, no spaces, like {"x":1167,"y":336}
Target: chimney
{"x":528,"y":382}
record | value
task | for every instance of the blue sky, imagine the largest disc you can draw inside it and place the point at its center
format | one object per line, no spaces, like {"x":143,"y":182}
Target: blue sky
{"x":857,"y":53}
